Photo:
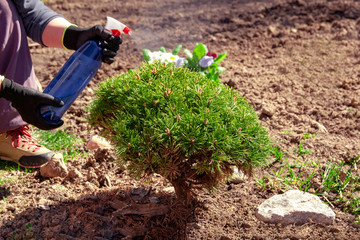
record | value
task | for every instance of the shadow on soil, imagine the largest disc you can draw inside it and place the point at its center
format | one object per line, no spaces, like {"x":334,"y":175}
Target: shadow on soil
{"x":110,"y":214}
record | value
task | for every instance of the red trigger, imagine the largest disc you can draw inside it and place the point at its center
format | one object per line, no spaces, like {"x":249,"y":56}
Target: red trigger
{"x":115,"y":32}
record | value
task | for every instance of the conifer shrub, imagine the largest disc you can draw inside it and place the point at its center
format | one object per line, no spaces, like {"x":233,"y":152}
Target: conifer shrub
{"x":179,"y":124}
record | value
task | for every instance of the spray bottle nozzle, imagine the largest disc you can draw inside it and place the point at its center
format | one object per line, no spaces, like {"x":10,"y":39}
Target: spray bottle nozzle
{"x":116,"y":27}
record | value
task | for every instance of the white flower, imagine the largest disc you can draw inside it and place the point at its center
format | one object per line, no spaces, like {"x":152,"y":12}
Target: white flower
{"x":206,"y":61}
{"x":165,"y":57}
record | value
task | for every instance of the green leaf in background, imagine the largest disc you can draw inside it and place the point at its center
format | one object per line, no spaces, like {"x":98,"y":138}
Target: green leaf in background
{"x":162,"y":49}
{"x":199,"y":51}
{"x":188,"y":53}
{"x":177,"y":49}
{"x":146,"y":55}
{"x":221,"y":57}
{"x":213,"y":66}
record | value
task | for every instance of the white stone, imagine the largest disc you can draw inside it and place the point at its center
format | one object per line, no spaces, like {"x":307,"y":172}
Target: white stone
{"x":98,"y":142}
{"x":238,"y":176}
{"x":295,"y":207}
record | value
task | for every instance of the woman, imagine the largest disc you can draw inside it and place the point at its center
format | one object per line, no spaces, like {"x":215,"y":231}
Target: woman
{"x":19,"y":93}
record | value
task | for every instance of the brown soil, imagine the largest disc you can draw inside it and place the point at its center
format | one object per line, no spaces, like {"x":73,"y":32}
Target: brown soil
{"x":296,"y":62}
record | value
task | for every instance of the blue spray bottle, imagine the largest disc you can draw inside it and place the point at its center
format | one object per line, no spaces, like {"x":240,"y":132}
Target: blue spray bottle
{"x":77,"y":72}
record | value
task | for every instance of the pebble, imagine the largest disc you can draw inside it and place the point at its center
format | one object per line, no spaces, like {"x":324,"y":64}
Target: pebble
{"x":55,"y":167}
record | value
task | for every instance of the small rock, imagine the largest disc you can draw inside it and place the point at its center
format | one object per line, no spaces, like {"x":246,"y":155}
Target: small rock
{"x":274,"y":31}
{"x":268,"y":110}
{"x":44,"y":207}
{"x":55,"y":167}
{"x":169,"y":190}
{"x":98,"y":142}
{"x":237,"y":177}
{"x":44,"y":204}
{"x":295,"y":207}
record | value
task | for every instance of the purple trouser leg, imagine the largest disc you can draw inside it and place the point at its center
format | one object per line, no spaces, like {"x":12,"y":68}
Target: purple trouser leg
{"x":15,"y":61}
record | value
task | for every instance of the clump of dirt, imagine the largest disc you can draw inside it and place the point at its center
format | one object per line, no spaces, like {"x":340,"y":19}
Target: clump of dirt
{"x":297,"y":64}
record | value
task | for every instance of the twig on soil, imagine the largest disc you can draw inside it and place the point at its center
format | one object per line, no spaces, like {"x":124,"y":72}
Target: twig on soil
{"x":148,"y":210}
{"x":35,"y":204}
{"x":329,"y":201}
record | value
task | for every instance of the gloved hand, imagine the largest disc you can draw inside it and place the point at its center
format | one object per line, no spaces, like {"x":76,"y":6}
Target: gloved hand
{"x":28,"y":102}
{"x":74,"y":37}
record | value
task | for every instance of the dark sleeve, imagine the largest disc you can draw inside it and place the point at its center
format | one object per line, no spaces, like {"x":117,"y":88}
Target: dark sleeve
{"x":35,"y":16}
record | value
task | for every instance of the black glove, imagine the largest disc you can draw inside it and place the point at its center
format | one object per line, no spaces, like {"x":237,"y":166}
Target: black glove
{"x":28,"y":102}
{"x":74,"y":37}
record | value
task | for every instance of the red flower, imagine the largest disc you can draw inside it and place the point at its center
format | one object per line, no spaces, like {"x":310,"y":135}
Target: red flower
{"x":210,"y":54}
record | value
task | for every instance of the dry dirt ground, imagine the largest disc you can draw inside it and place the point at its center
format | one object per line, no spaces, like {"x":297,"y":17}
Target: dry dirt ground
{"x":296,"y":62}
